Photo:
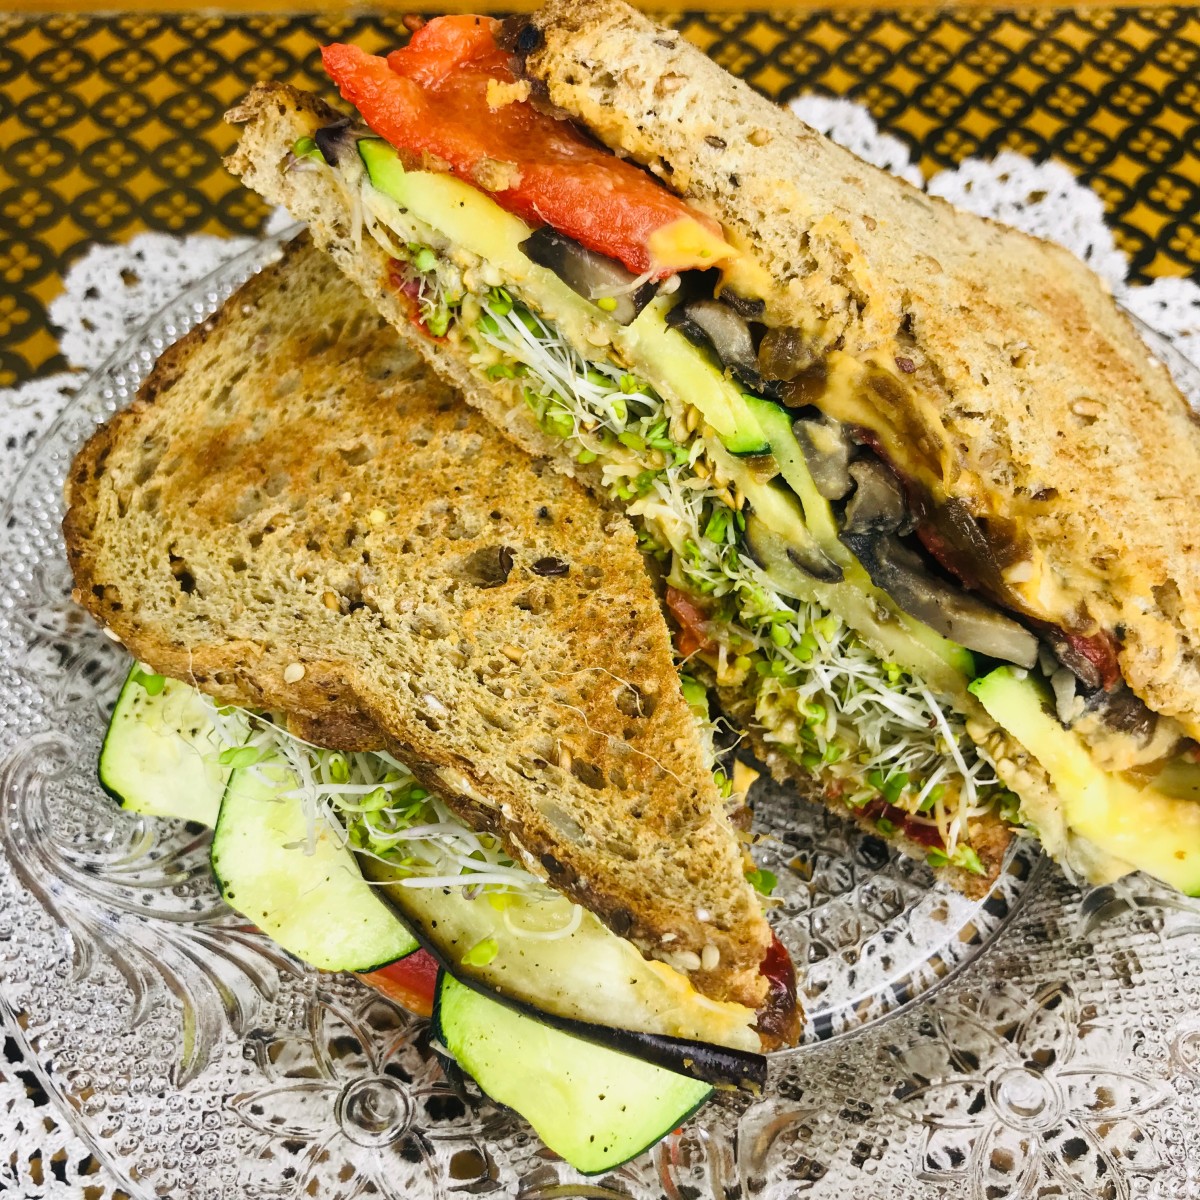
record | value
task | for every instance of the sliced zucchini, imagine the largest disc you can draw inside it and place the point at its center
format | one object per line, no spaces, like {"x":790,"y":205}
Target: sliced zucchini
{"x":776,"y":422}
{"x":746,"y":443}
{"x":677,"y":367}
{"x":1139,"y":827}
{"x":595,"y":1107}
{"x":160,"y":751}
{"x":864,"y":607}
{"x":313,"y":902}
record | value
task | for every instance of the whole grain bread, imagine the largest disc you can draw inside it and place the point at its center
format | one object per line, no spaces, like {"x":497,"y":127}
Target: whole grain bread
{"x":294,"y":515}
{"x":1050,"y":408}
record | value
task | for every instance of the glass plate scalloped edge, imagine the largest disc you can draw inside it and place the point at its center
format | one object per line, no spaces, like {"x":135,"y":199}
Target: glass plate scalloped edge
{"x":197,"y":1058}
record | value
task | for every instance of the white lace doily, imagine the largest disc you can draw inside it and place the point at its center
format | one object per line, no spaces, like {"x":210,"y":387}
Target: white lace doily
{"x":113,"y":289}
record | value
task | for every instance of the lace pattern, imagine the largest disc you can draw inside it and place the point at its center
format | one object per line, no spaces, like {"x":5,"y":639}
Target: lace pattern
{"x":1066,"y":1061}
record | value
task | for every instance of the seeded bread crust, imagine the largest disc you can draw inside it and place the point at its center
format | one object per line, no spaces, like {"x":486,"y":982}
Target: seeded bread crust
{"x":1051,"y":408}
{"x":293,"y":515}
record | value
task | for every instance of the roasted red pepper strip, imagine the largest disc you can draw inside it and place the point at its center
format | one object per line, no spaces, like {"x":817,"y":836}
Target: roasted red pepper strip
{"x":918,"y":831}
{"x":410,"y":982}
{"x":450,"y":98}
{"x":411,"y":291}
{"x":1101,"y":651}
{"x":779,"y":1017}
{"x":693,"y":624}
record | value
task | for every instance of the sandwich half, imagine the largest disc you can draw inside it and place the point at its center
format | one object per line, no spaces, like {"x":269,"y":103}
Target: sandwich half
{"x":434,"y":665}
{"x":918,"y":492}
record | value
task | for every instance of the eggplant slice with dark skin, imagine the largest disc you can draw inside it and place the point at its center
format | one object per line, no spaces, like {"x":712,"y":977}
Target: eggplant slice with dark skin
{"x":601,"y":280}
{"x":712,"y":1064}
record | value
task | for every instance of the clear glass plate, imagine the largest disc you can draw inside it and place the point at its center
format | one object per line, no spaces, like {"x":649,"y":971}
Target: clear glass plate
{"x":198,"y":1060}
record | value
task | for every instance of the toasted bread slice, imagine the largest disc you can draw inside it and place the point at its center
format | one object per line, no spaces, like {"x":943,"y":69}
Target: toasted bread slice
{"x":1039,"y":405}
{"x":293,"y":515}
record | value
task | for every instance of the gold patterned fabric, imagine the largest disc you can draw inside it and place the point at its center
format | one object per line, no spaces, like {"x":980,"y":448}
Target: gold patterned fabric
{"x":111,"y":125}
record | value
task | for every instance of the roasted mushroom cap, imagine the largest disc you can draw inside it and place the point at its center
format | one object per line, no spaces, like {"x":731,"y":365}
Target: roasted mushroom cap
{"x":826,"y":448}
{"x":877,"y":505}
{"x":1123,"y":711}
{"x":603,"y":281}
{"x":1068,"y":651}
{"x":714,"y":323}
{"x":752,"y":310}
{"x":948,"y":610}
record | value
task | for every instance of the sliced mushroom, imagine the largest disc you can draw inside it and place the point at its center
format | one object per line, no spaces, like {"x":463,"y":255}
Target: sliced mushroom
{"x":752,"y":310}
{"x":1074,"y":660}
{"x":1122,"y":734}
{"x":601,"y":280}
{"x":713,"y":323}
{"x":877,"y":505}
{"x":1123,"y":711}
{"x":953,"y":613}
{"x":826,"y":450}
{"x":791,"y":565}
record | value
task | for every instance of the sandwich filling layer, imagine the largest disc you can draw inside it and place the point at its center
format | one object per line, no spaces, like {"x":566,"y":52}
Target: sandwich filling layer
{"x":802,"y":568}
{"x":496,"y":923}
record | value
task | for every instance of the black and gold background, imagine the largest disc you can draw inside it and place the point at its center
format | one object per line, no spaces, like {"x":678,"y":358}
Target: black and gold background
{"x":111,"y":125}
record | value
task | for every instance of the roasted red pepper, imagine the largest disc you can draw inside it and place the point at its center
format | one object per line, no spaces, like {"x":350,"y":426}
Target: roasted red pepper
{"x":411,"y":982}
{"x":450,"y":99}
{"x":779,"y":1016}
{"x":410,"y":289}
{"x":918,"y":831}
{"x":693,"y":624}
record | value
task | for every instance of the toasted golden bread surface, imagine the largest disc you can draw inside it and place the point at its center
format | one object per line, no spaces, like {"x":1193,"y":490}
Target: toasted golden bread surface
{"x":294,"y":515}
{"x":273,"y":116}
